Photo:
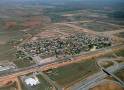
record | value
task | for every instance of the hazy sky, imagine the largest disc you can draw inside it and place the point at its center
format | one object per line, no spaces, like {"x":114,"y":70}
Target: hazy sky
{"x":57,"y":1}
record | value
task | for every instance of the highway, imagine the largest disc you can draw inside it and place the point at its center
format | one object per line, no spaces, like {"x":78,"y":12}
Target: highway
{"x":96,"y":78}
{"x":116,"y":65}
{"x":55,"y":64}
{"x":89,"y":82}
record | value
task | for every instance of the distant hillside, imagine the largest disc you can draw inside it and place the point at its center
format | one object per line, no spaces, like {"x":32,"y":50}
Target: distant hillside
{"x":94,"y":4}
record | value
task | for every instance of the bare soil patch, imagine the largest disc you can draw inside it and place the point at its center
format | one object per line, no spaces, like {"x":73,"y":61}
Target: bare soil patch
{"x":108,"y":86}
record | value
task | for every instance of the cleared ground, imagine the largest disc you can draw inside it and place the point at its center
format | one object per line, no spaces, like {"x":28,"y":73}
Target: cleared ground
{"x":70,"y":74}
{"x":121,"y":34}
{"x":16,"y":25}
{"x":98,"y":26}
{"x":120,"y":74}
{"x":7,"y":53}
{"x":108,"y":85}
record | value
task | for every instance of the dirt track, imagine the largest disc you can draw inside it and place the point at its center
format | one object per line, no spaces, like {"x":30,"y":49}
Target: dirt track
{"x":77,"y":28}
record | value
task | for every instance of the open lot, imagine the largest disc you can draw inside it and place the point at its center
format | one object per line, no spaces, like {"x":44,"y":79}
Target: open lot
{"x":66,"y":15}
{"x":120,"y":53}
{"x":23,"y":63}
{"x":120,"y":74}
{"x":61,"y":31}
{"x":72,"y":73}
{"x":98,"y":26}
{"x":16,"y":25}
{"x":121,"y":34}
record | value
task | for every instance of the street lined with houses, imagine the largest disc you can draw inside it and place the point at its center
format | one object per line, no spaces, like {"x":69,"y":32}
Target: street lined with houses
{"x":55,"y":64}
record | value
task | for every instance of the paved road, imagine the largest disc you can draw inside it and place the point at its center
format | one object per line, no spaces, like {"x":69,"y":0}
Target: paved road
{"x":96,"y":78}
{"x":55,"y":64}
{"x":113,"y":60}
{"x":116,"y":65}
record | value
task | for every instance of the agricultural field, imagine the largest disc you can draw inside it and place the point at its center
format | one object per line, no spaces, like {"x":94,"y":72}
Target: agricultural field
{"x":98,"y":26}
{"x":87,"y":15}
{"x":63,"y":14}
{"x":70,"y":74}
{"x":69,"y":14}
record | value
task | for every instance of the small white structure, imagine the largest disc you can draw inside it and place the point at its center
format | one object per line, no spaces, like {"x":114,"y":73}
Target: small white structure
{"x":93,"y":49}
{"x":32,"y":81}
{"x":3,"y":68}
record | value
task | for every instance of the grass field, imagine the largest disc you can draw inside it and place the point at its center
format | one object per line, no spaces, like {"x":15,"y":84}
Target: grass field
{"x":120,"y":53}
{"x":68,"y":74}
{"x":23,"y":63}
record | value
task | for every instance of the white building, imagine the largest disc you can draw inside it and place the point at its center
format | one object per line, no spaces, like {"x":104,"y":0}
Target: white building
{"x":32,"y":81}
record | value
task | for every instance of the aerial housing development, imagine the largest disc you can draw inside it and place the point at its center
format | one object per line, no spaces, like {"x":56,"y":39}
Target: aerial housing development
{"x":61,"y":45}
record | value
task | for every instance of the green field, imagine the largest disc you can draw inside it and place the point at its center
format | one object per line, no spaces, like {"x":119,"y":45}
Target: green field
{"x":70,"y":73}
{"x":120,"y":53}
{"x":23,"y":63}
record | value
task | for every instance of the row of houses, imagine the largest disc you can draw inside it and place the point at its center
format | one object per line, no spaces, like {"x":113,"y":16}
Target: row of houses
{"x":74,"y":44}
